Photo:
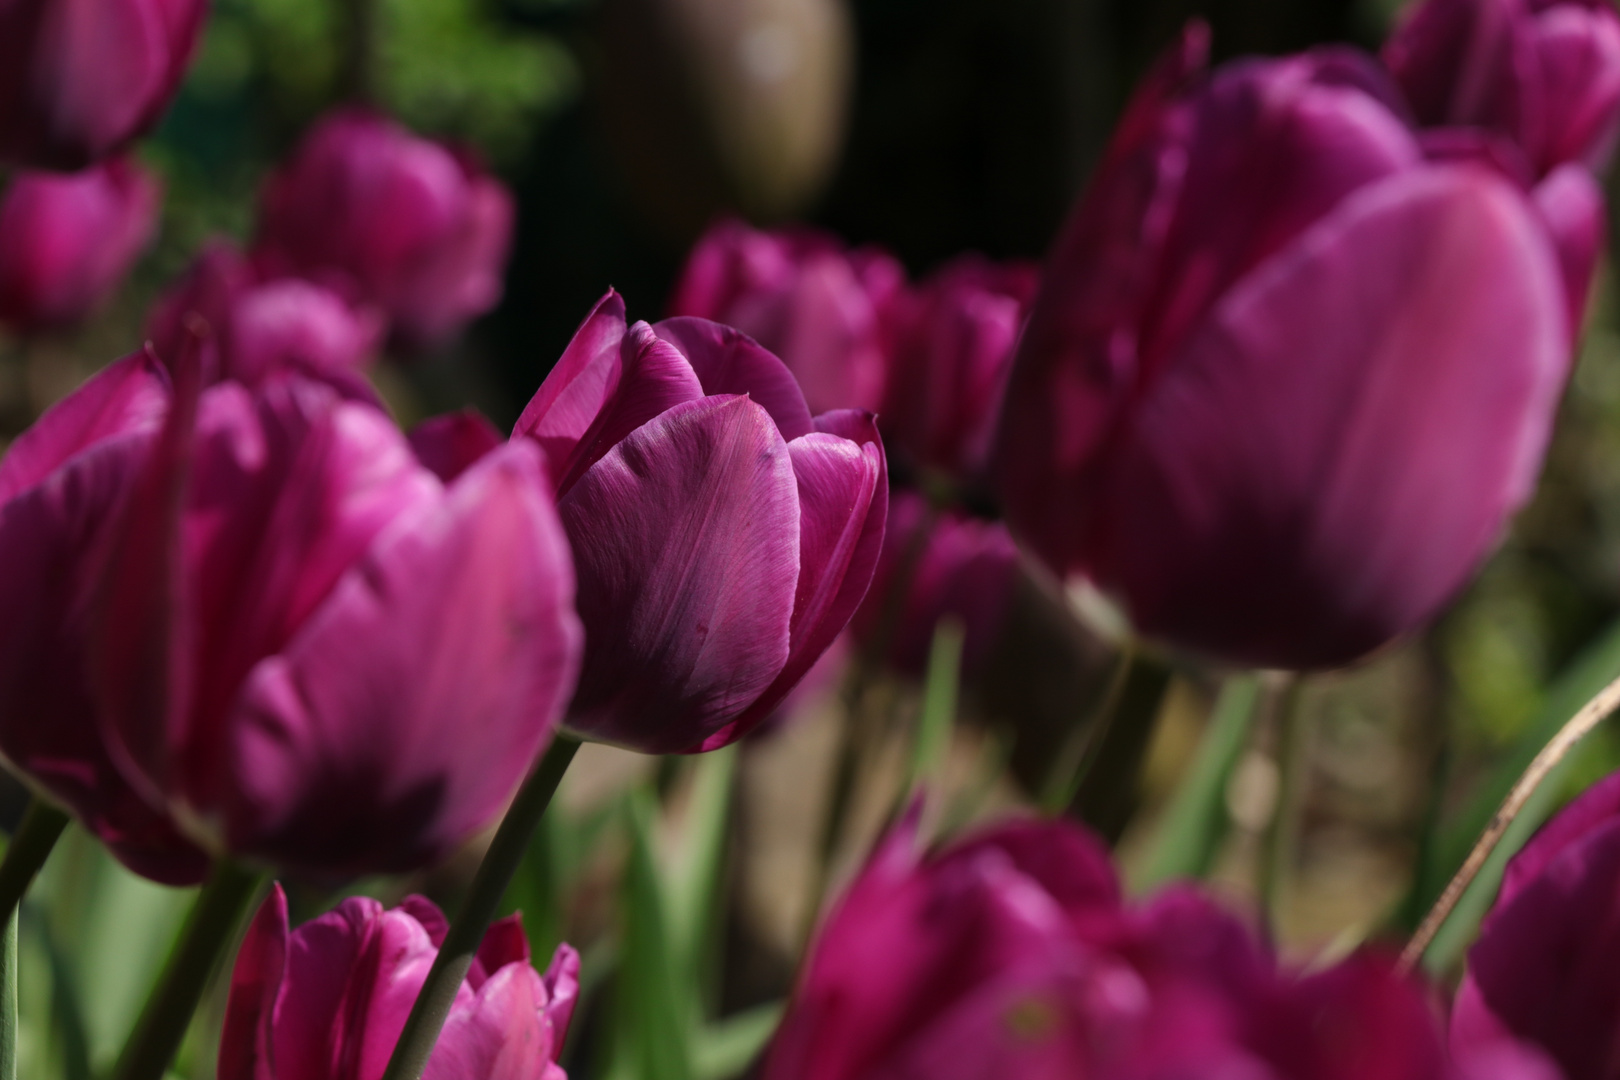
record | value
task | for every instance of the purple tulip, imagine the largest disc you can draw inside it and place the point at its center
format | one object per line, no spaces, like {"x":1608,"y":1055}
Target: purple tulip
{"x":1546,"y":968}
{"x":81,"y":78}
{"x":1543,"y":73}
{"x":1285,"y":379}
{"x":1010,"y":954}
{"x":386,"y":218}
{"x":258,"y":615}
{"x":328,"y":1001}
{"x":66,"y":241}
{"x":952,"y":566}
{"x":802,"y":296}
{"x":722,"y":537}
{"x":261,"y":327}
{"x":952,"y":339}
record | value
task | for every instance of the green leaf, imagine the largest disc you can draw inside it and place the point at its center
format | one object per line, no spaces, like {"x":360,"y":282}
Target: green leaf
{"x":653,"y":1009}
{"x":723,"y":1050}
{"x":1195,"y":821}
{"x":695,"y":883}
{"x":940,"y":687}
{"x":8,"y":999}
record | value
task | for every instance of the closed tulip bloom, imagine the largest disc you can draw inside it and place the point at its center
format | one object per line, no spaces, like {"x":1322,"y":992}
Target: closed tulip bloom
{"x":1285,"y":379}
{"x":328,"y":1001}
{"x":1546,"y":969}
{"x":258,"y":327}
{"x":1544,"y":73}
{"x":81,"y":78}
{"x":1009,"y":953}
{"x":949,"y":566}
{"x":67,"y":241}
{"x":800,"y":294}
{"x":722,"y":536}
{"x":952,"y":341}
{"x":284,"y":632}
{"x":387,"y":218}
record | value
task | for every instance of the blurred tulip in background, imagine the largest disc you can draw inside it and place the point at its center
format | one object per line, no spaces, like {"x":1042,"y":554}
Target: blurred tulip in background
{"x":328,"y":1000}
{"x":68,"y":240}
{"x":1283,"y":422}
{"x":275,"y":624}
{"x":722,"y":536}
{"x":81,"y":78}
{"x":389,"y":219}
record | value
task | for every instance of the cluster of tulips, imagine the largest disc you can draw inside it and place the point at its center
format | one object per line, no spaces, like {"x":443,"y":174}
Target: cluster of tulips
{"x":1289,"y":368}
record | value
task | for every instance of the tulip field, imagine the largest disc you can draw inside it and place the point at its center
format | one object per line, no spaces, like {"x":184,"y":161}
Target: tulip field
{"x":809,"y":540}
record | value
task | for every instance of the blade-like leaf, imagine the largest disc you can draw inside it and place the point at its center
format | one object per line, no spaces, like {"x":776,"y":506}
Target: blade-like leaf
{"x":723,"y":1050}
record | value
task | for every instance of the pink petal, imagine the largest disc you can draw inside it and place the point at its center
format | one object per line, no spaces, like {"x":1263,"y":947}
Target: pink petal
{"x":1571,"y":206}
{"x":256,"y":982}
{"x":727,"y":361}
{"x":502,"y":1034}
{"x":686,"y":538}
{"x":449,"y":445}
{"x":579,"y":385}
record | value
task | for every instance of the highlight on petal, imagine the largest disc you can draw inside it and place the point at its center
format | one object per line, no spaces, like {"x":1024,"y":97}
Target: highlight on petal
{"x":686,"y":541}
{"x":579,"y":385}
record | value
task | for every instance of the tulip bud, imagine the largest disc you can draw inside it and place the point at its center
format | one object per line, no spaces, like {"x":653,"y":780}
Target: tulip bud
{"x":256,"y":615}
{"x":1543,"y":73}
{"x":952,"y":340}
{"x":1285,"y":379}
{"x":1546,"y":968}
{"x":258,"y":327}
{"x":328,"y":1001}
{"x":1009,"y":953}
{"x":722,"y":536}
{"x":81,"y":78}
{"x":385,"y":218}
{"x":66,"y":241}
{"x":802,"y":296}
{"x":949,"y":566}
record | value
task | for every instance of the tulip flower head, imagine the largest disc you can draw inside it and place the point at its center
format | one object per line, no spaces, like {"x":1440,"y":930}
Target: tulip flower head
{"x":258,"y":327}
{"x":722,"y":536}
{"x":81,"y":78}
{"x":328,"y":1001}
{"x":1546,"y":969}
{"x":802,"y":296}
{"x":67,"y":241}
{"x":1545,"y":74}
{"x":1010,"y":953}
{"x":1282,"y":422}
{"x":257,"y":610}
{"x":388,"y":219}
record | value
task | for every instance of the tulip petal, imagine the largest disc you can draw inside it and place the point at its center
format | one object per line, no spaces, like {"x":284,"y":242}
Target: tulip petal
{"x":1289,"y":497}
{"x":562,"y":990}
{"x":130,"y":395}
{"x":580,"y":384}
{"x":403,"y":714}
{"x":1571,"y":206}
{"x":501,"y":1034}
{"x":449,"y":445}
{"x":843,"y":486}
{"x":97,"y":69}
{"x":728,"y":361}
{"x":257,"y":980}
{"x":1597,"y":808}
{"x":686,"y":537}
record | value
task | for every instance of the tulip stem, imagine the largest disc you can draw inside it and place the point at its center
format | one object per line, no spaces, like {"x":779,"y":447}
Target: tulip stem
{"x":1105,"y":781}
{"x":1277,"y":852}
{"x":30,"y":846}
{"x":1579,"y":726}
{"x":209,"y":928}
{"x":8,"y":999}
{"x":466,"y":933}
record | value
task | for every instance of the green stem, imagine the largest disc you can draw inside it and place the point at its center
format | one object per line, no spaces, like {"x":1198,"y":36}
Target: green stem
{"x":31,"y":844}
{"x":467,"y":931}
{"x":1106,"y":780}
{"x":8,"y":999}
{"x":167,"y":1013}
{"x":1278,"y":851}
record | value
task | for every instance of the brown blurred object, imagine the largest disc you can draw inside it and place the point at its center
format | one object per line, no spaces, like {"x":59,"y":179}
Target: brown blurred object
{"x":716,"y":105}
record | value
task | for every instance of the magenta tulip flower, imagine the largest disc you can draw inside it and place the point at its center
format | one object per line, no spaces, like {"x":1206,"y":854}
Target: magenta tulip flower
{"x":722,"y":536}
{"x":1546,"y":968}
{"x":259,"y":616}
{"x":386,"y":218}
{"x":1010,"y":954}
{"x":950,"y":566}
{"x":1285,"y":379}
{"x":802,"y":296}
{"x":257,"y":327}
{"x":328,"y":1001}
{"x":81,"y":78}
{"x":1543,"y":73}
{"x":67,"y":241}
{"x":952,"y":339}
